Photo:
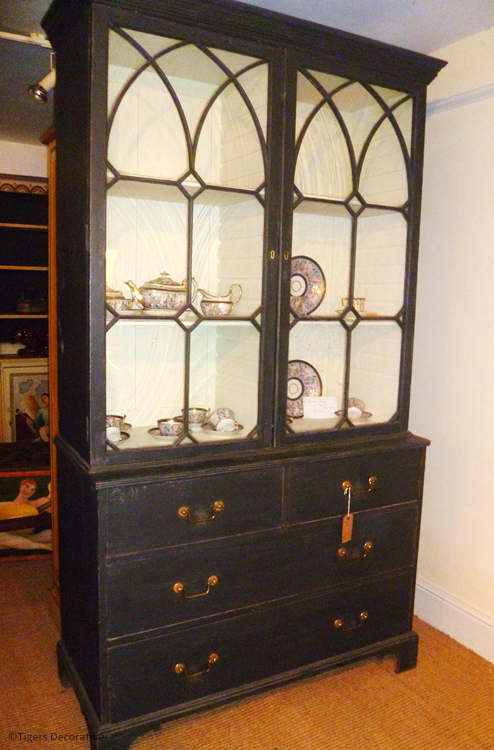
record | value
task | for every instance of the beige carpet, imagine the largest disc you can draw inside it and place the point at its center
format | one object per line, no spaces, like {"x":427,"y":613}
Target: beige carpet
{"x":447,"y":703}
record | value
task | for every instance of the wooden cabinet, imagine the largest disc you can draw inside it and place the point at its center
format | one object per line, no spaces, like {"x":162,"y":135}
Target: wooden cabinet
{"x":238,"y":198}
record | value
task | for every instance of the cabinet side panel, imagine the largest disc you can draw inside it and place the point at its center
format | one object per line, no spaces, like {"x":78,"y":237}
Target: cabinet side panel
{"x":78,"y":549}
{"x":71,"y":115}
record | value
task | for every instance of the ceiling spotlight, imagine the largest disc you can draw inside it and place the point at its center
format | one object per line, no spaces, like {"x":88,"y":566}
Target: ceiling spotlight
{"x":39,"y":91}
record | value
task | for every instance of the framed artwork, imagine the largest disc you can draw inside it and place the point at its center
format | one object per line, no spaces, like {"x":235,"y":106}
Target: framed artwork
{"x":25,"y":402}
{"x":25,"y":514}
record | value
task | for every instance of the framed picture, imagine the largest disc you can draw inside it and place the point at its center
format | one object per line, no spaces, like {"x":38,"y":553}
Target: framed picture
{"x":25,"y":514}
{"x":25,"y":402}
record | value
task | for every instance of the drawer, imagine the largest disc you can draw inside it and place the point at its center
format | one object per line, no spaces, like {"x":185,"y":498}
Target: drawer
{"x":144,"y":676}
{"x":178,"y":511}
{"x":254,"y":568}
{"x":315,"y":486}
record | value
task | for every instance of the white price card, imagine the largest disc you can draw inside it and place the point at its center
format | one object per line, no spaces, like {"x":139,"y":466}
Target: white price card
{"x":320,"y":407}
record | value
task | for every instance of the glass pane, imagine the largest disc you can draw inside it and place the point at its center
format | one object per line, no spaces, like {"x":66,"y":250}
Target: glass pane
{"x":384,"y":179}
{"x":316,"y":368}
{"x":195,"y":79}
{"x":229,"y":151}
{"x":360,"y":111}
{"x":404,"y":115}
{"x":228,"y":252}
{"x":144,"y":376}
{"x":322,"y":234}
{"x":381,"y":261}
{"x":224,"y":374}
{"x":323,"y":164}
{"x":147,"y":138}
{"x":146,"y":234}
{"x":375,"y":369}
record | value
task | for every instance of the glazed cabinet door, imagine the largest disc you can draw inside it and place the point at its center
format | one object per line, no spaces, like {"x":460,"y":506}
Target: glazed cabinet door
{"x":348,"y":301}
{"x":191,"y":178}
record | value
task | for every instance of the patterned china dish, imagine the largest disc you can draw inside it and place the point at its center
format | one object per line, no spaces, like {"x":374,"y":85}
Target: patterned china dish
{"x":162,"y":293}
{"x":197,"y":414}
{"x":114,"y":435}
{"x":222,"y":420}
{"x":303,"y":380}
{"x":307,"y":285}
{"x":213,"y":305}
{"x":117,"y":301}
{"x":209,"y":428}
{"x":355,"y":410}
{"x":170,"y":427}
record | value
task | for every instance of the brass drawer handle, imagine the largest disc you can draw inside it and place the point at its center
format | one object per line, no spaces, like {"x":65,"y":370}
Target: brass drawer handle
{"x":347,"y":485}
{"x":355,"y":554}
{"x":182,"y":669}
{"x":184,"y":512}
{"x":179,"y":588}
{"x":340,"y":624}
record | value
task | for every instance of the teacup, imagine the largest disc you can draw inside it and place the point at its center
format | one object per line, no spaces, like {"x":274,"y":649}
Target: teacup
{"x":197,"y":414}
{"x":170,"y":427}
{"x":114,"y":420}
{"x":223,"y":420}
{"x":212,"y":309}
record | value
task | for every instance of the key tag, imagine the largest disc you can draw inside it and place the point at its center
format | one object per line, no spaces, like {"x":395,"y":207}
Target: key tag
{"x":347,"y":525}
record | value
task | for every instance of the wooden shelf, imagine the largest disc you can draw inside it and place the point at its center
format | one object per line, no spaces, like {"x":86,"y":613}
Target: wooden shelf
{"x":22,"y":317}
{"x":23,"y":268}
{"x":23,"y":226}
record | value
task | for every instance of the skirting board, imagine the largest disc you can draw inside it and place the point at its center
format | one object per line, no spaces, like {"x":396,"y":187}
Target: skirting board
{"x":463,"y":623}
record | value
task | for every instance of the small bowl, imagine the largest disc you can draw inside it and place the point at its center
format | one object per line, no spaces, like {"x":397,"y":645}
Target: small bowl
{"x":197,"y":414}
{"x":216,"y":309}
{"x":170,"y":427}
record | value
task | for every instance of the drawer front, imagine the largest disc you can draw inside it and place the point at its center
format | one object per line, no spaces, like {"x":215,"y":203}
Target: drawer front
{"x":178,"y":511}
{"x":144,"y":676}
{"x":143,"y":590}
{"x":316,"y":487}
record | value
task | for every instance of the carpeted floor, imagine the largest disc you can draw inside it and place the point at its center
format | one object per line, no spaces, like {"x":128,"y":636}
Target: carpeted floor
{"x":447,"y":703}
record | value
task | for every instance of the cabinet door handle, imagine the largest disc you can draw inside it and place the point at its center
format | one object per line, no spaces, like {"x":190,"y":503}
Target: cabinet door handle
{"x":184,"y":512}
{"x":347,"y":485}
{"x":182,"y":669}
{"x":340,"y":624}
{"x":179,"y":588}
{"x":355,"y":554}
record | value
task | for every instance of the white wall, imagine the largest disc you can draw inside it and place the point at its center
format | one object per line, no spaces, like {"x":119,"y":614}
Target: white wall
{"x":23,"y":159}
{"x":453,"y":372}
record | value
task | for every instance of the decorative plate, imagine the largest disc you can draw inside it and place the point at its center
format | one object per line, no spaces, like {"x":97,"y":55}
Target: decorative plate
{"x":307,"y":285}
{"x":303,"y":380}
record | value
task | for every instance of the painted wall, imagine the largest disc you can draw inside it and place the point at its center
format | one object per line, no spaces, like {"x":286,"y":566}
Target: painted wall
{"x":23,"y":159}
{"x":453,"y":372}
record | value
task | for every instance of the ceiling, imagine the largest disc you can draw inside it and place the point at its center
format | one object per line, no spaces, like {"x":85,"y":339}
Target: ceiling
{"x":420,"y":25}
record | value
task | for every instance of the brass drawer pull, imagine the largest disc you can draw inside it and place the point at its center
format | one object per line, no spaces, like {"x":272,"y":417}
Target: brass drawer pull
{"x":179,"y":588}
{"x":340,"y":624}
{"x":182,"y":669}
{"x":347,"y":485}
{"x":355,"y":554}
{"x":184,"y":512}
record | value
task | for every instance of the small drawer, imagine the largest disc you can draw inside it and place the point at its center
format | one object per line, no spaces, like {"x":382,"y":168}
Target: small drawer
{"x":156,"y":673}
{"x":191,"y":509}
{"x":229,"y":574}
{"x":316,"y":486}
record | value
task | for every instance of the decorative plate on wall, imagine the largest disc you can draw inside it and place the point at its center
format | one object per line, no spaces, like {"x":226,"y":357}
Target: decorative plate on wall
{"x":303,"y":380}
{"x":307,"y":285}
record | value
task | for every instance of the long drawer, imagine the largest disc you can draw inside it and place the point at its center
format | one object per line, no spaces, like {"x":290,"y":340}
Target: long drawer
{"x":189,"y":509}
{"x":315,"y":487}
{"x":163,"y":587}
{"x":153,"y":674}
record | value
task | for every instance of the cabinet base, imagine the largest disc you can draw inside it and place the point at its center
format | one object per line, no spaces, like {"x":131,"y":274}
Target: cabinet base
{"x":121,"y":735}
